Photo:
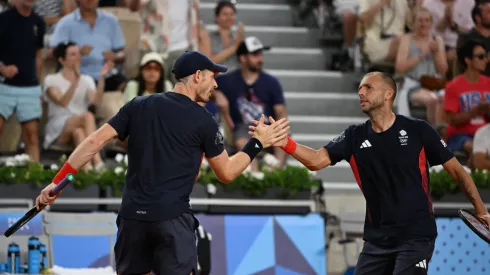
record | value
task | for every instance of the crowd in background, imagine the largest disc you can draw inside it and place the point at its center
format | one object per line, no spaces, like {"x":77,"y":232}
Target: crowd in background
{"x":438,"y":50}
{"x":84,"y":64}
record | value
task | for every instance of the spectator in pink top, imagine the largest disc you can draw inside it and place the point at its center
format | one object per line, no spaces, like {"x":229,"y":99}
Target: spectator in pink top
{"x":451,"y":17}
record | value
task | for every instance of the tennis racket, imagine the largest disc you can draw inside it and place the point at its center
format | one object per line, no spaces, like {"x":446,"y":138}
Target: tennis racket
{"x":480,"y":228}
{"x":34,"y":211}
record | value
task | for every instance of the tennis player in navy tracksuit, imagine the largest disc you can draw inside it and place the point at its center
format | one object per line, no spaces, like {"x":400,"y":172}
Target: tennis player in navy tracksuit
{"x":169,"y":134}
{"x":390,"y":157}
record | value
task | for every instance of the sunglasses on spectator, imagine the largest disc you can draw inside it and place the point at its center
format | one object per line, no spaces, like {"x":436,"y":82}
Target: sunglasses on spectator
{"x":153,"y":67}
{"x":480,"y":56}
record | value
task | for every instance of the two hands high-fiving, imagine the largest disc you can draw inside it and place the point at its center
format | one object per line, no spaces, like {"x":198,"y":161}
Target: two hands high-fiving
{"x":275,"y":134}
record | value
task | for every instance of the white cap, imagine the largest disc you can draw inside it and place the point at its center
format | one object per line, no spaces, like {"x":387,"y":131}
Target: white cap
{"x":151,"y":57}
{"x":251,"y":44}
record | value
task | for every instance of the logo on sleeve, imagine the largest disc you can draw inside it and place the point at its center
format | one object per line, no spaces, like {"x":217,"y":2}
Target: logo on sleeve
{"x":443,"y":143}
{"x":339,"y":138}
{"x":403,"y":137}
{"x":219,"y":139}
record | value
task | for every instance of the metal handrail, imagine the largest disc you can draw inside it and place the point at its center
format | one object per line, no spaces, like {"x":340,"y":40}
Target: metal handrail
{"x":27,"y":202}
{"x":197,"y":201}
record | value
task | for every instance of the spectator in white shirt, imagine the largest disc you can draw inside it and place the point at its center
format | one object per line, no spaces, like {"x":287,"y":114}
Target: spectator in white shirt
{"x":69,"y":95}
{"x":481,"y":147}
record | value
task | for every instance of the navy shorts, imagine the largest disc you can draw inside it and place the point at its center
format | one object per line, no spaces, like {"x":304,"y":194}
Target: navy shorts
{"x":166,"y":247}
{"x":456,"y":142}
{"x":410,"y":258}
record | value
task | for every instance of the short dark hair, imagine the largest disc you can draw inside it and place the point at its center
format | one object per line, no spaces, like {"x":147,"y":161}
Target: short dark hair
{"x":387,"y":79}
{"x":223,"y":4}
{"x":476,"y":11}
{"x":60,"y":50}
{"x":466,"y":50}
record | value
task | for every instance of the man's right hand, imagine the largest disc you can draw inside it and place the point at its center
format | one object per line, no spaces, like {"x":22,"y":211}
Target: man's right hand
{"x":483,"y":106}
{"x":86,"y":49}
{"x":280,"y":142}
{"x":45,"y":198}
{"x":270,"y":134}
{"x":9,"y":71}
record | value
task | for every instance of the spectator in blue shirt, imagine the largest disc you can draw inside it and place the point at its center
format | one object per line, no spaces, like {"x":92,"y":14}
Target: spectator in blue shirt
{"x":100,"y":37}
{"x":250,"y":92}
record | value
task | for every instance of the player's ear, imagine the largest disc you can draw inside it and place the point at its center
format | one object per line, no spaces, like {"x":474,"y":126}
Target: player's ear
{"x":198,"y":76}
{"x":389,"y":94}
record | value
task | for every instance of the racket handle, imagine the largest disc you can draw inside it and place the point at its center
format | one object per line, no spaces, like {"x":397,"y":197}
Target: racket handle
{"x":69,"y":178}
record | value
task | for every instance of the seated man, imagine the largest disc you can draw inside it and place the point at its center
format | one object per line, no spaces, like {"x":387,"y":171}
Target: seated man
{"x":467,"y":98}
{"x":100,"y":38}
{"x":250,"y":92}
{"x":69,"y":94}
{"x":384,"y":22}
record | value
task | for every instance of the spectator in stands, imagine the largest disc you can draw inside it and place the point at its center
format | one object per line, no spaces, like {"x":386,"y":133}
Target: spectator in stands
{"x":384,"y":22}
{"x":450,"y":17}
{"x":169,"y":28}
{"x":53,"y":10}
{"x":467,"y":97}
{"x":421,"y":55}
{"x":251,"y":92}
{"x":150,"y":79}
{"x":21,"y":40}
{"x":69,"y":94}
{"x":481,"y":147}
{"x":224,"y":42}
{"x":481,"y":31}
{"x":100,"y":38}
{"x":347,"y":11}
{"x":4,"y":4}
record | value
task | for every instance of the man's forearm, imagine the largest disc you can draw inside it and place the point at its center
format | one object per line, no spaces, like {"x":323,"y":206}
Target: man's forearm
{"x":470,"y":190}
{"x":310,"y":158}
{"x":85,"y":152}
{"x":236,"y":165}
{"x":368,"y":16}
{"x":462,"y":118}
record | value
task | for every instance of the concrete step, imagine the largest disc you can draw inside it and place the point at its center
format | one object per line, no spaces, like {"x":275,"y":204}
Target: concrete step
{"x":338,"y":175}
{"x":281,"y":36}
{"x":323,"y":104}
{"x":296,"y":58}
{"x":315,"y":80}
{"x":253,"y":14}
{"x":322,"y":124}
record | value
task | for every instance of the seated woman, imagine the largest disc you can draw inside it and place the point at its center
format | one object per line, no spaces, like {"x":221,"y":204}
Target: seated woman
{"x":150,"y":79}
{"x":69,"y":95}
{"x":223,"y":43}
{"x":419,"y":55}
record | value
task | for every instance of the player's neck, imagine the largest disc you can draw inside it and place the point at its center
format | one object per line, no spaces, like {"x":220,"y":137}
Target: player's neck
{"x":471,"y":75}
{"x":23,"y":10}
{"x":382,"y":120}
{"x":249,"y":77}
{"x":182,"y":89}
